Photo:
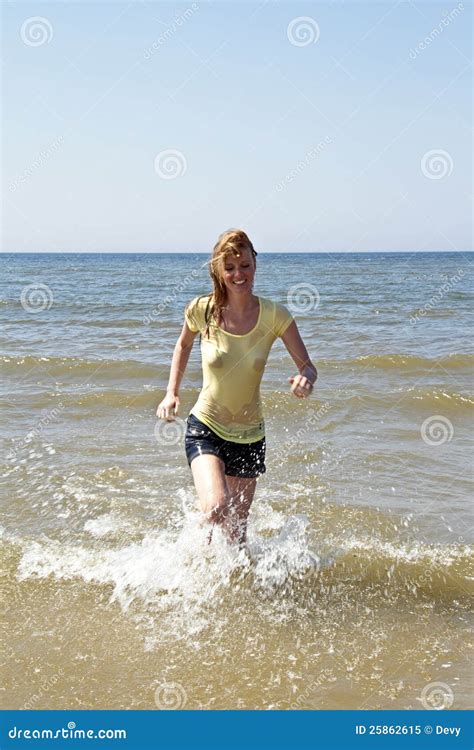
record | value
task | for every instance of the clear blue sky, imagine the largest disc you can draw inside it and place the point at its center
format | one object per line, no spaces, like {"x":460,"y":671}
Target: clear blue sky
{"x":359,"y":140}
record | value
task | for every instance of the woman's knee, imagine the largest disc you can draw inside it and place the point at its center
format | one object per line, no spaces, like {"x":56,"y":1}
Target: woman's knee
{"x":214,"y":502}
{"x":219,"y":513}
{"x":209,"y":479}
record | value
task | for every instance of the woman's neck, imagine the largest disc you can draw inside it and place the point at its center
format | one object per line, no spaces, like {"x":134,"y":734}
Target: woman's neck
{"x":241,"y":305}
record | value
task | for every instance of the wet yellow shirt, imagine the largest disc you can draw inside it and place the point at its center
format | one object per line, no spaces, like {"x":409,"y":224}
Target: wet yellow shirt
{"x":232,"y":365}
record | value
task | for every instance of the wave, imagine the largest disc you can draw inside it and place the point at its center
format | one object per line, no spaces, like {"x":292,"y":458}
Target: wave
{"x":275,"y":403}
{"x":124,"y":368}
{"x":404,"y":361}
{"x":435,"y":397}
{"x":118,"y":368}
{"x":431,"y":569}
{"x":183,"y":565}
{"x":85,"y":307}
{"x":410,"y":399}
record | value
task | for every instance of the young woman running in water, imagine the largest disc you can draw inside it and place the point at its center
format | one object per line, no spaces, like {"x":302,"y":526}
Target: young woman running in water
{"x":225,"y":434}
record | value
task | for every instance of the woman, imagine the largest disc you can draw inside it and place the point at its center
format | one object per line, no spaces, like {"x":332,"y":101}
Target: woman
{"x":225,"y":435}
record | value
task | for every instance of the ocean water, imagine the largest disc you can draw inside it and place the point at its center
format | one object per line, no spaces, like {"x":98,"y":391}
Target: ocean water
{"x":358,"y":590}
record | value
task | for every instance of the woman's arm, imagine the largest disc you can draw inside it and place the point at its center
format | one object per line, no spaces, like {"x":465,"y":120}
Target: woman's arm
{"x":302,"y":384}
{"x":181,"y":353}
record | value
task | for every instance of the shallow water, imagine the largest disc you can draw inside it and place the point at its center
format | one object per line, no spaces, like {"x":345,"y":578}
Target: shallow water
{"x":357,"y":591}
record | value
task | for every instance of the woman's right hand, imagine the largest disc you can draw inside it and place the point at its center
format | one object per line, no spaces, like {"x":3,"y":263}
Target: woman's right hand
{"x":169,"y":404}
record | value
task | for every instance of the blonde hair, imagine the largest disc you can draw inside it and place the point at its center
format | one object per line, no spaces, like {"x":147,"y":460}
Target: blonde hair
{"x":231,"y":242}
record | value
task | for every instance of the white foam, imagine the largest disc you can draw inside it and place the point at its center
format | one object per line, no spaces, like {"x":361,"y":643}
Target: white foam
{"x":415,"y":552}
{"x":106,"y":524}
{"x":278,"y":558}
{"x":181,"y":565}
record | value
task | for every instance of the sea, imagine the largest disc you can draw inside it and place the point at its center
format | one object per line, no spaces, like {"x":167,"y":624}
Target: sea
{"x":357,"y":589}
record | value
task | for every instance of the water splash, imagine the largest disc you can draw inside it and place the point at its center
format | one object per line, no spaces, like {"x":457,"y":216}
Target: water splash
{"x":181,"y":565}
{"x":279,"y":558}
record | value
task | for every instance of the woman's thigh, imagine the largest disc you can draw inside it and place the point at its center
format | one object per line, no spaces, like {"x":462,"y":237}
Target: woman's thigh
{"x":210,"y":481}
{"x":241,"y":491}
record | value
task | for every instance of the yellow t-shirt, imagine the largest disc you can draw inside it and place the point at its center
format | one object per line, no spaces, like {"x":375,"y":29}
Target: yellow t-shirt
{"x":232,"y":365}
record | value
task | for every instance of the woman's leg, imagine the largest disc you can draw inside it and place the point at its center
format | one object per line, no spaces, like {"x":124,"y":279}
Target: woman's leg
{"x":213,"y":495}
{"x":242,"y":491}
{"x":224,"y":499}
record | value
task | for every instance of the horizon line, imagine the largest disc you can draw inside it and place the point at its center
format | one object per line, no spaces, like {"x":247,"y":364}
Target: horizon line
{"x":204,"y":252}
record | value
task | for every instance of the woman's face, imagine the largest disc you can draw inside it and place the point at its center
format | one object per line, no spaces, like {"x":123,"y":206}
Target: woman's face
{"x":238,"y":272}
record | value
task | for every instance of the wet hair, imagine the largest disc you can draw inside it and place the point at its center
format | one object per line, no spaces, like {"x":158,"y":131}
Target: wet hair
{"x":230,"y":243}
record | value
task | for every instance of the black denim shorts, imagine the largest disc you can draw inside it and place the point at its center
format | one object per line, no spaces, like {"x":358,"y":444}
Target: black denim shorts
{"x":240,"y":459}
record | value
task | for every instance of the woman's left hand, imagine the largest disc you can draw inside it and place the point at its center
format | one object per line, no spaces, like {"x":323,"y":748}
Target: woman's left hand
{"x":300,"y":386}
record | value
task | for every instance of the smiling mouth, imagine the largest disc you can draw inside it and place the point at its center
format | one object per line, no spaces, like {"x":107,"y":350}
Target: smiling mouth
{"x":239,"y":283}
